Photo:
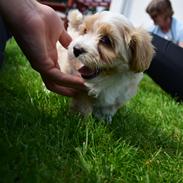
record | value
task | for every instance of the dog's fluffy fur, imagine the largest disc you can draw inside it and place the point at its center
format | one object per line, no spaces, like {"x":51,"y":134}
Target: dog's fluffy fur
{"x":111,"y":55}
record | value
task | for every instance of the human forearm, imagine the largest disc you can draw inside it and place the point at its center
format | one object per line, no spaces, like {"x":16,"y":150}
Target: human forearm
{"x":17,"y":10}
{"x":181,"y":44}
{"x":15,"y":7}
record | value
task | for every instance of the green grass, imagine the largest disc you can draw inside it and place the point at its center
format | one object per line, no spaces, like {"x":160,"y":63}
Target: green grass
{"x":41,"y":141}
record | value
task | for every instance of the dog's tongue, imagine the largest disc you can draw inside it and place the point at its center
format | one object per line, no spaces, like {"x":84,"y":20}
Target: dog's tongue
{"x":88,"y":73}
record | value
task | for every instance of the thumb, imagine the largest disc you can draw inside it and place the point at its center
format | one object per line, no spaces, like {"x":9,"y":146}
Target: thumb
{"x":65,"y":39}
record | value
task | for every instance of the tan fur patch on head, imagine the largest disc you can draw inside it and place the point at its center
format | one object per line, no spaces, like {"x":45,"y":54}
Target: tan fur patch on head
{"x":105,"y":36}
{"x":88,"y":23}
{"x":106,"y":43}
{"x":107,"y":55}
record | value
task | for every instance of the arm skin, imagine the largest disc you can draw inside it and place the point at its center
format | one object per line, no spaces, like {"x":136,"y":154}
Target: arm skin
{"x":181,"y":44}
{"x":37,"y":28}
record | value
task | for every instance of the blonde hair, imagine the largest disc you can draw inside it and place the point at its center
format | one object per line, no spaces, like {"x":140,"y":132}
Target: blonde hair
{"x":160,"y":7}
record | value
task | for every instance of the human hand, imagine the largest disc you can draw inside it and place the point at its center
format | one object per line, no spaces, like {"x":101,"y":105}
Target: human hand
{"x":37,"y":32}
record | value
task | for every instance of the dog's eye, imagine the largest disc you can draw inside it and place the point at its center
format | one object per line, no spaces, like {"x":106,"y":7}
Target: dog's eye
{"x":105,"y":40}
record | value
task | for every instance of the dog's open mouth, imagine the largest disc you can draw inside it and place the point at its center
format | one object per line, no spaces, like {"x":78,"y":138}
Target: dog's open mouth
{"x":88,"y":73}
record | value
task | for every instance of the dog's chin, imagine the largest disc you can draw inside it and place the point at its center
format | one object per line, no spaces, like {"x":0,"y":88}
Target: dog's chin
{"x":89,"y":73}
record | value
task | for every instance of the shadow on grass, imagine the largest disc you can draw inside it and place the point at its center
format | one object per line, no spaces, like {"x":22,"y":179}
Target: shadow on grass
{"x":28,"y":123}
{"x":140,"y":132}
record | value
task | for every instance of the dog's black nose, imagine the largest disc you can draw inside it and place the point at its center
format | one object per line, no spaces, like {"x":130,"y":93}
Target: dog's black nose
{"x":78,"y":51}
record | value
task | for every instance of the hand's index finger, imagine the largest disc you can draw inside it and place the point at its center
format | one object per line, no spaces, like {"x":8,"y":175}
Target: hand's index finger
{"x":66,"y":80}
{"x":65,"y":39}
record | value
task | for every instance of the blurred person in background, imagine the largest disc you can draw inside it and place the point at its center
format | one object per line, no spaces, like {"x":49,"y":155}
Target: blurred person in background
{"x":4,"y":37}
{"x":165,"y":25}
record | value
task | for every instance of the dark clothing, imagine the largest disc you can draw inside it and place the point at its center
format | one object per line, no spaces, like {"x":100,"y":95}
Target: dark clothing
{"x":4,"y":36}
{"x":166,"y":68}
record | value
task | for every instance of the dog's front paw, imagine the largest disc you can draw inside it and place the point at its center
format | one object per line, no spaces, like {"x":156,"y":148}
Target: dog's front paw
{"x":108,"y":118}
{"x":99,"y":114}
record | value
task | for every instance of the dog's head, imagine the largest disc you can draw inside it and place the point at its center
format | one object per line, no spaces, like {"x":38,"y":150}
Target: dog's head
{"x":107,"y":43}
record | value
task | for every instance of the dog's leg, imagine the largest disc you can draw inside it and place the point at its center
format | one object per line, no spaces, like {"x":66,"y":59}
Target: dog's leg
{"x":82,"y":104}
{"x":105,"y":112}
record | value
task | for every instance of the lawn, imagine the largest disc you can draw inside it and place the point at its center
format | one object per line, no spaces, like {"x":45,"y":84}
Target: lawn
{"x":42,"y":142}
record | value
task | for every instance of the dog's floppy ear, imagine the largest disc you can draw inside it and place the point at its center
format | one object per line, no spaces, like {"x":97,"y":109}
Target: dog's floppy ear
{"x":142,"y":50}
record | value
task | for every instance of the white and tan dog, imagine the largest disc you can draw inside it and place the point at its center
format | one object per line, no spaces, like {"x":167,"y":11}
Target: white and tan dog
{"x":111,"y":55}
